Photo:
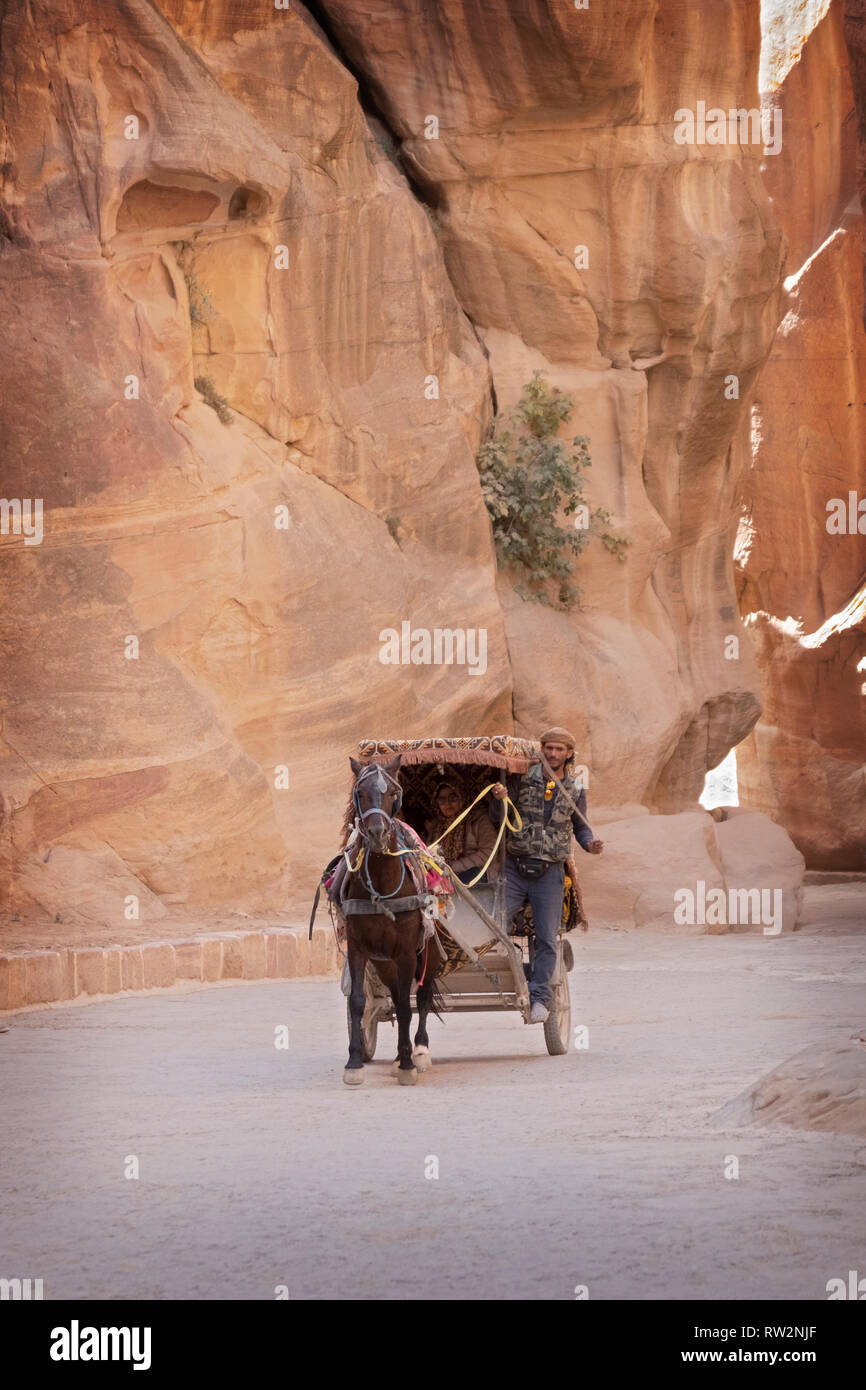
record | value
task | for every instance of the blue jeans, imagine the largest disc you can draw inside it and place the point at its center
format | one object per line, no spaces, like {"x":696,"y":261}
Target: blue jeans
{"x":545,"y":899}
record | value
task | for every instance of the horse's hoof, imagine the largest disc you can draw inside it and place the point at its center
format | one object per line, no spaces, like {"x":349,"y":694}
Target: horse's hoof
{"x":395,"y":1066}
{"x":422,"y":1059}
{"x":353,"y":1077}
{"x":407,"y":1078}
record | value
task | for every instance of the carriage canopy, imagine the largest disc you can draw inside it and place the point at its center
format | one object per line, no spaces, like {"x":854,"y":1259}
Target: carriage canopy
{"x":487,"y":750}
{"x":469,"y":761}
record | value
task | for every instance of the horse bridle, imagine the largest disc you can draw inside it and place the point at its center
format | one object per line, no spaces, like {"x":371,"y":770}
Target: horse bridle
{"x":383,"y":779}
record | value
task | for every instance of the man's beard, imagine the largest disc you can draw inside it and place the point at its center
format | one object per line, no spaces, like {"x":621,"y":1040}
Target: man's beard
{"x":560,"y":763}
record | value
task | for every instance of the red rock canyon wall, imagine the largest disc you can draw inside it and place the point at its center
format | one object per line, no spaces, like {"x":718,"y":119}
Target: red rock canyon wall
{"x":802,"y":575}
{"x":223,"y":201}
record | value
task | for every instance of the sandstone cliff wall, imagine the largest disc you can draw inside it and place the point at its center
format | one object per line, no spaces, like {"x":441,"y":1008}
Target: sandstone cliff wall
{"x":802,"y":581}
{"x":281,"y":247}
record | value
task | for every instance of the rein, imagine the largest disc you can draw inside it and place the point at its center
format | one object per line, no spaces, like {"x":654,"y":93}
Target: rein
{"x":516,"y":825}
{"x":378,"y":901}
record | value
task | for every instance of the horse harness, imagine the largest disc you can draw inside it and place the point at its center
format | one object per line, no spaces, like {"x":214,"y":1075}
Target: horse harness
{"x":378,"y":904}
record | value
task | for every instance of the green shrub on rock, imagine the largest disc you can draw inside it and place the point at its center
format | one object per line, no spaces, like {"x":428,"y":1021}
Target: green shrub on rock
{"x":529,"y":480}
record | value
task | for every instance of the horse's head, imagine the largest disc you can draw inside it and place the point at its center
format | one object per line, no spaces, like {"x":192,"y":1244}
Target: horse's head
{"x":377,"y":796}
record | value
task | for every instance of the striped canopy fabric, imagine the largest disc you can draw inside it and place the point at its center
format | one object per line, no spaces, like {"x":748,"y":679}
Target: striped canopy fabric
{"x":493,"y":750}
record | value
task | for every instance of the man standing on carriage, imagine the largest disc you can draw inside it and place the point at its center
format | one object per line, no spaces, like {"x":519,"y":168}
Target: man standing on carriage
{"x":552,"y":808}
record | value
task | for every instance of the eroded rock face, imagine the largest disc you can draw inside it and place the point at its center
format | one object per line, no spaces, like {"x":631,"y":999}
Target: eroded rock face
{"x":558,"y":134}
{"x":203,"y":225}
{"x":132,"y":268}
{"x":801,"y":572}
{"x":854,"y":24}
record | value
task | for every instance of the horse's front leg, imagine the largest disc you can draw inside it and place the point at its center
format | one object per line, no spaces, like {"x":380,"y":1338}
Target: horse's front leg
{"x":353,"y":1074}
{"x":406,"y":1073}
{"x":424,"y":1002}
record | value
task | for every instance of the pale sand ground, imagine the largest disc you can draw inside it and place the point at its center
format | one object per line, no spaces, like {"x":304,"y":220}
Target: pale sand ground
{"x":604,"y":1167}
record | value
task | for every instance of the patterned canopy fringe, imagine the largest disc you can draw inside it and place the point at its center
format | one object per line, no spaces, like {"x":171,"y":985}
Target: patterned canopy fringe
{"x":490,"y":750}
{"x":496,"y":750}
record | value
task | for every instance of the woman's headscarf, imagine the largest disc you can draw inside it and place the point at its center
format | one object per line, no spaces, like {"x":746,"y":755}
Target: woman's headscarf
{"x":452,"y":846}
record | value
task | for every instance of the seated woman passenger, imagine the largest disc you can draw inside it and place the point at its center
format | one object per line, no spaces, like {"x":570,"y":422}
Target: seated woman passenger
{"x":466,"y":848}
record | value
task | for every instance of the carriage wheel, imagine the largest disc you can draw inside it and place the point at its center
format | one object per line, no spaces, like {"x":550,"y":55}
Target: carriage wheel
{"x":369,"y":1030}
{"x":557,"y":1029}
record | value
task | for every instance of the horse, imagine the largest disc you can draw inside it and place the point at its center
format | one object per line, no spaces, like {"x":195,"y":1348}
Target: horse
{"x":384,"y":923}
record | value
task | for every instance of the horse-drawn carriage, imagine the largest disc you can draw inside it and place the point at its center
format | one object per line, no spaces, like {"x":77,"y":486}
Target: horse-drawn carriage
{"x":464,"y":956}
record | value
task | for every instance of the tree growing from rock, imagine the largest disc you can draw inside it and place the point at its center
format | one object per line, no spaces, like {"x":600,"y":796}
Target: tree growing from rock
{"x":530,"y":480}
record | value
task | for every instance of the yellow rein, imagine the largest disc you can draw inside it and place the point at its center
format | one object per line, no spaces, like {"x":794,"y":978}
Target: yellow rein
{"x":507,"y":824}
{"x":353,"y":868}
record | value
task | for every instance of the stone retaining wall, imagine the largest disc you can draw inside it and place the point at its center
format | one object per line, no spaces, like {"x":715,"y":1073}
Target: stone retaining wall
{"x":277,"y":953}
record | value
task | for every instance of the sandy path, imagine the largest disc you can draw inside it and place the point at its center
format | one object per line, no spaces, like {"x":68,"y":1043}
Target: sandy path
{"x":604,"y":1167}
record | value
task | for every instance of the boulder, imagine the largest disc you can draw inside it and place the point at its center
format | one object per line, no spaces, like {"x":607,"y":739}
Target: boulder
{"x":821,"y":1088}
{"x":759,"y":855}
{"x":690,"y":873}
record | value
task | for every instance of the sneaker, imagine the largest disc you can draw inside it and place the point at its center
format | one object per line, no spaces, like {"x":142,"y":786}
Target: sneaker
{"x":539,"y":1013}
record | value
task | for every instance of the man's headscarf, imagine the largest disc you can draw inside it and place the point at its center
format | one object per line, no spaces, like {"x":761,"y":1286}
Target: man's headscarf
{"x":559,"y":736}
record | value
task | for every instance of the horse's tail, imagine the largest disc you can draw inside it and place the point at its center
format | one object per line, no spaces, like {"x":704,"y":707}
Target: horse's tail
{"x":425,"y":968}
{"x":315,"y":910}
{"x":437,"y":1000}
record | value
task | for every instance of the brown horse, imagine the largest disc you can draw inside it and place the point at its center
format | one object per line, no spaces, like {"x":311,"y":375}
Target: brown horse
{"x":383,"y":922}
